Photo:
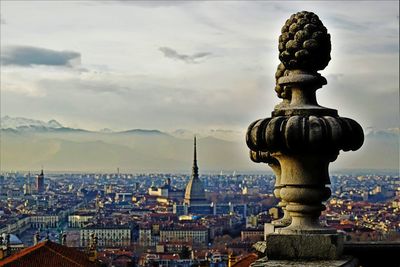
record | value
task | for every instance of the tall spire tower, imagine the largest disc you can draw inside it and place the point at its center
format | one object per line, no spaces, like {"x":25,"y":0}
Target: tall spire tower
{"x":194,"y":193}
{"x":195,"y":168}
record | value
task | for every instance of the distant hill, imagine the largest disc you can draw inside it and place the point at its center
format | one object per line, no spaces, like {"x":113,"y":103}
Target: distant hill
{"x":142,"y":132}
{"x":27,"y":147}
{"x":379,"y":151}
{"x":27,"y":144}
{"x":16,"y":122}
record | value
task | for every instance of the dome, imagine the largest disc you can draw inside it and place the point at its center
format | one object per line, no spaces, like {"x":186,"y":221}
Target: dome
{"x":194,"y":193}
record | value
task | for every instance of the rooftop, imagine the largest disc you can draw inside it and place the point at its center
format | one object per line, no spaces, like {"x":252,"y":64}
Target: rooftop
{"x":47,"y":253}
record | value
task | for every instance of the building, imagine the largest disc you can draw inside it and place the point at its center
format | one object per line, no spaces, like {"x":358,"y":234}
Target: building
{"x":194,"y":193}
{"x":195,"y":201}
{"x":27,"y":186}
{"x":40,"y":182}
{"x":108,"y":235}
{"x":166,"y":259}
{"x":123,"y":197}
{"x":252,"y":234}
{"x":16,"y":225}
{"x":196,"y":235}
{"x":146,"y":237}
{"x":45,"y":221}
{"x":211,"y":209}
{"x":167,"y":191}
{"x":79,"y":220}
{"x":159,"y":191}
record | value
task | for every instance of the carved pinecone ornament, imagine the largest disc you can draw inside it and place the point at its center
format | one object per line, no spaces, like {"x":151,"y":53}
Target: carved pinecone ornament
{"x":304,"y":43}
{"x":280,"y":90}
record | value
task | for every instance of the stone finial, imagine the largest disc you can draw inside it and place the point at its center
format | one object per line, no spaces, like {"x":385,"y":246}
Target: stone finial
{"x":304,"y":43}
{"x":301,"y":138}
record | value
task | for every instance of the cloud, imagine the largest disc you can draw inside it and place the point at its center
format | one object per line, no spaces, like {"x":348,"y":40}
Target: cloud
{"x":335,"y":76}
{"x":339,"y":21}
{"x":29,"y":56}
{"x":81,"y":84}
{"x":171,"y":53}
{"x":149,"y":4}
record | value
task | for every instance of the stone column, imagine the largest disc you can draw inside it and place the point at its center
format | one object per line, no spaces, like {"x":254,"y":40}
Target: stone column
{"x":302,"y":138}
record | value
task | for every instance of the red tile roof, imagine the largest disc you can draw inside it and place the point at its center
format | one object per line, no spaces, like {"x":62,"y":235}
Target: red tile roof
{"x":246,"y":261}
{"x":47,"y":253}
{"x":169,"y":256}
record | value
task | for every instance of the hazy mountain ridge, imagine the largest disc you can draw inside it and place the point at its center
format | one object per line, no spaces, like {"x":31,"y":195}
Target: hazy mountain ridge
{"x":31,"y":125}
{"x":142,"y":132}
{"x":17,"y":122}
{"x":27,"y":147}
{"x":385,"y":133}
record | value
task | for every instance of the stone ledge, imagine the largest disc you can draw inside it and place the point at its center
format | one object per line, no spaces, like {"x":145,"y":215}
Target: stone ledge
{"x":372,"y":254}
{"x":343,"y":262}
{"x":304,"y":246}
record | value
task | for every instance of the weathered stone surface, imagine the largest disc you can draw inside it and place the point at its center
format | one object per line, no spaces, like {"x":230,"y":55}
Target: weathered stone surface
{"x":269,"y":228}
{"x":280,"y":89}
{"x":260,"y":246}
{"x":304,"y":42}
{"x":304,"y":246}
{"x":343,"y":262}
{"x":300,"y":140}
{"x":299,"y":133}
{"x":265,"y":157}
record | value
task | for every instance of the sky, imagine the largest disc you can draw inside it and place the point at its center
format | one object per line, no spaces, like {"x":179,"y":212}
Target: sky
{"x":187,"y":65}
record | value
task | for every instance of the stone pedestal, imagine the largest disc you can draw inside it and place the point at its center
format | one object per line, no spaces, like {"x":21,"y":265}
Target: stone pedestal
{"x":269,"y":228}
{"x":304,"y":246}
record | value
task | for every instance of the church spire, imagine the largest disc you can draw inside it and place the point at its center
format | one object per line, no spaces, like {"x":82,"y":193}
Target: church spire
{"x":195,"y":168}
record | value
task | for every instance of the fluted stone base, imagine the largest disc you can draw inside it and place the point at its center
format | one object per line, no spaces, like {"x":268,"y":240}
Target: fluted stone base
{"x":304,"y":246}
{"x":343,"y":262}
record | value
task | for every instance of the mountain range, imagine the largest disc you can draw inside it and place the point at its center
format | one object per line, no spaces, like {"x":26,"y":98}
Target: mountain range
{"x":27,"y":144}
